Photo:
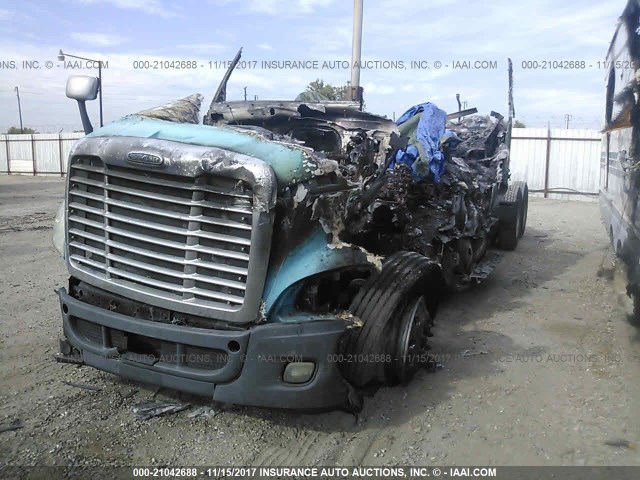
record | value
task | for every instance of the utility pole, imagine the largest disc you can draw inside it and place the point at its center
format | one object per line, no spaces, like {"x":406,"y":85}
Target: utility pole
{"x":19,"y":108}
{"x":245,"y":94}
{"x":356,"y":53}
{"x":568,"y":117}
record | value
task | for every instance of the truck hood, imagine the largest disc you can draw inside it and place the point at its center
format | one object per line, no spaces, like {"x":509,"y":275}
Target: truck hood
{"x":292,"y":163}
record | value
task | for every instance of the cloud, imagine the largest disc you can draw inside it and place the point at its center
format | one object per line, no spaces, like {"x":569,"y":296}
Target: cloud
{"x":12,"y":15}
{"x":152,"y":7}
{"x":98,"y":39}
{"x":126,"y":89}
{"x":378,"y":89}
{"x":547,"y":99}
{"x":202,"y":48}
{"x":302,"y":6}
{"x":280,"y":8}
{"x":321,"y":30}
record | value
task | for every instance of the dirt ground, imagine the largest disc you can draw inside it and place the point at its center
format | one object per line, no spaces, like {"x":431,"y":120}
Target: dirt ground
{"x":540,"y":367}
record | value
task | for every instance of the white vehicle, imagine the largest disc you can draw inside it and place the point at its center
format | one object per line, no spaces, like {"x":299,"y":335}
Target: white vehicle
{"x":620,"y":162}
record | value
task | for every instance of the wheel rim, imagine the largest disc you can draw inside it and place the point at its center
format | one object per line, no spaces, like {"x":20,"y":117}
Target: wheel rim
{"x":412,"y":339}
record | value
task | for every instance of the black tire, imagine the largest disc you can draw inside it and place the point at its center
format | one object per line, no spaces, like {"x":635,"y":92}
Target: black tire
{"x":379,"y":304}
{"x":365,"y":293}
{"x":633,"y":291}
{"x":378,"y":282}
{"x":508,"y":238}
{"x":634,"y":318}
{"x":511,"y":228}
{"x":525,"y":206}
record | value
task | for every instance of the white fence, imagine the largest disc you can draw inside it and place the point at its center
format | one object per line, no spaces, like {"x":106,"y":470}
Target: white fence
{"x":38,"y":154}
{"x":557,"y":160}
{"x":549,"y":160}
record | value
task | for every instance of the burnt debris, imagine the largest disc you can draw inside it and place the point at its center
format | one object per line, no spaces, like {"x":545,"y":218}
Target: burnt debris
{"x":427,"y":216}
{"x":380,"y":199}
{"x":185,"y":110}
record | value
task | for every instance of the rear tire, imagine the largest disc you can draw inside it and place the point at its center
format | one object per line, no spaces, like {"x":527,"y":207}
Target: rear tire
{"x":525,"y":206}
{"x":512,"y":228}
{"x":635,"y":315}
{"x":508,"y":237}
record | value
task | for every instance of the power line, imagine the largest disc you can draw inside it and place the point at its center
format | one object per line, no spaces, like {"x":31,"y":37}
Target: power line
{"x":567,"y":117}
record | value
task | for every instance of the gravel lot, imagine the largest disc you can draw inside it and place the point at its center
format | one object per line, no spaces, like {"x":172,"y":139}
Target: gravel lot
{"x":540,"y":367}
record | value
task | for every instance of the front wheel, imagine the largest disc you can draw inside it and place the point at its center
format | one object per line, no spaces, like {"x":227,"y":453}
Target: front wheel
{"x":411,"y":341}
{"x":396,"y":307}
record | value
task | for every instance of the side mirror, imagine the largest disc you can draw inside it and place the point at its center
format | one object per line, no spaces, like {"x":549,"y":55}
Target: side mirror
{"x":82,"y":88}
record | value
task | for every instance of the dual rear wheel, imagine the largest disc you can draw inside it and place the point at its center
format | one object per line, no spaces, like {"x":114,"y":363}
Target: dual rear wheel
{"x":514,"y":222}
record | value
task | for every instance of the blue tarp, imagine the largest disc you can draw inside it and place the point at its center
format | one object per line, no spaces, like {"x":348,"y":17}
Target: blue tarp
{"x":429,"y":133}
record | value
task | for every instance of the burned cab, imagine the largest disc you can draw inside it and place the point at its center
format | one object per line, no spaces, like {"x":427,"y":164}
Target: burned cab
{"x":280,"y":253}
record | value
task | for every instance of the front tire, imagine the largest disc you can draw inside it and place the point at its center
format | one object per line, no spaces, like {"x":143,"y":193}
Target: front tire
{"x":396,"y":307}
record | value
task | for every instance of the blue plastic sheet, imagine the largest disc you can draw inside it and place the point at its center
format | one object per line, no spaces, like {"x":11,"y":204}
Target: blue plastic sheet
{"x":430,"y":129}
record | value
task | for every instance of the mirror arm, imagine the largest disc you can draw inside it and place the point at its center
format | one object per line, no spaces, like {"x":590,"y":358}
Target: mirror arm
{"x":86,"y":123}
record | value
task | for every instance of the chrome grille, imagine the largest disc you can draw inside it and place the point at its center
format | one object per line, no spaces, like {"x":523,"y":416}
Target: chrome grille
{"x":178,"y":238}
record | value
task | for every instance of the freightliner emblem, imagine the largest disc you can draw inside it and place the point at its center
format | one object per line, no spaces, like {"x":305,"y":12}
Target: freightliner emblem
{"x":144,"y":158}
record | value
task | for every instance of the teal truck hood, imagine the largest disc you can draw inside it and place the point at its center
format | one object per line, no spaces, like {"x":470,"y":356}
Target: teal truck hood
{"x":291,"y":163}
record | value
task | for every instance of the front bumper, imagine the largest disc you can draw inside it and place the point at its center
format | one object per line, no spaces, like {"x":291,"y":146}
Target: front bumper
{"x":243,"y":367}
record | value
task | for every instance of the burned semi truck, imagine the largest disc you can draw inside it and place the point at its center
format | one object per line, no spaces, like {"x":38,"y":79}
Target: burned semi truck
{"x":280,"y":253}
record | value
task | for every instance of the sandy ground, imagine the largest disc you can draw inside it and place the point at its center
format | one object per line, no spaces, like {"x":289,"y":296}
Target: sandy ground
{"x":540,"y":367}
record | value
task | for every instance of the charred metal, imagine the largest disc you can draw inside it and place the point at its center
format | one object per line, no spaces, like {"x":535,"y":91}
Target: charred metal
{"x":365,"y":202}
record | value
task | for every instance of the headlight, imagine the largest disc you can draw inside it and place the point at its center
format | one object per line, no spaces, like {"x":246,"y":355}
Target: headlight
{"x":58,"y":230}
{"x":298,"y":372}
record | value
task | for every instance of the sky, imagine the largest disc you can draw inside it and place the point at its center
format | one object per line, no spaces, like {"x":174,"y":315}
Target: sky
{"x":457,"y":48}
